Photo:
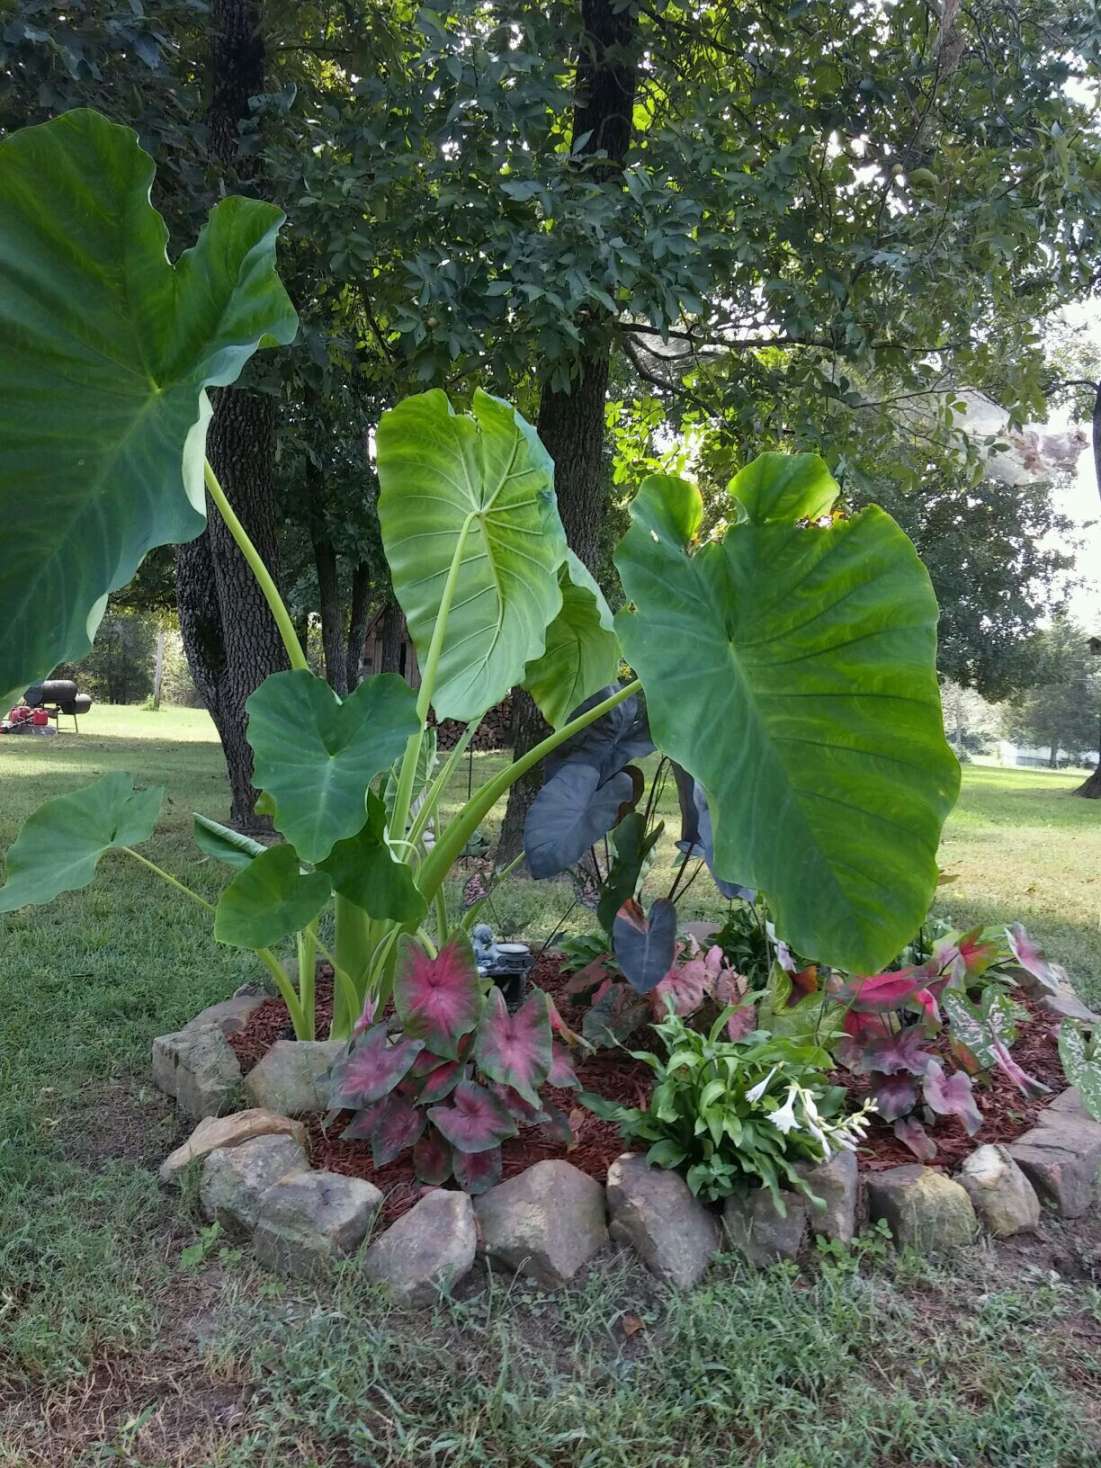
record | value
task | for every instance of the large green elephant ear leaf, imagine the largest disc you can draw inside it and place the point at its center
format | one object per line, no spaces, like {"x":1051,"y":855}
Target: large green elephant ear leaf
{"x":107,"y":349}
{"x":582,"y":652}
{"x":268,"y":900}
{"x":316,"y":755}
{"x":60,"y":845}
{"x":791,"y":668}
{"x":468,"y":516}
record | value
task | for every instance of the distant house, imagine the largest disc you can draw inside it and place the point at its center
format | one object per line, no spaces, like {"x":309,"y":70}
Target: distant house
{"x":372,"y":651}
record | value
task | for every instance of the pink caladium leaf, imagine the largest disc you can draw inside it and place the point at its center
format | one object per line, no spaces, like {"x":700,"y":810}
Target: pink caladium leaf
{"x":881,"y":992}
{"x":438,"y":1000}
{"x":367,"y":1015}
{"x":895,"y":1096}
{"x":477,"y":1172}
{"x":1030,"y":957}
{"x":978,"y":949}
{"x":1026,"y":1084}
{"x":441,"y":1081}
{"x":432,"y":1158}
{"x":912,"y":1134}
{"x":741,"y":1022}
{"x":475,"y":1121}
{"x":515,"y":1049}
{"x":519,"y":1109}
{"x":398,"y":1125}
{"x":891,"y":1054}
{"x":951,"y":1095}
{"x":361,"y":1128}
{"x":684,"y":988}
{"x":561,"y":1071}
{"x":559,"y":1026}
{"x":372,"y":1069}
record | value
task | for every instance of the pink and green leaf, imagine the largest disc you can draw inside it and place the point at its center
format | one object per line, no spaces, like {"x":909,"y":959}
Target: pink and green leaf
{"x":432,"y":1158}
{"x":562,"y":1073}
{"x":515,"y":1049}
{"x":398,"y":1125}
{"x":895,"y":1095}
{"x":372,"y":1069}
{"x":1030,"y":956}
{"x":912,"y":1134}
{"x":951,"y":1095}
{"x":475,"y":1120}
{"x":441,"y":1081}
{"x":477,"y":1172}
{"x":438,"y":1000}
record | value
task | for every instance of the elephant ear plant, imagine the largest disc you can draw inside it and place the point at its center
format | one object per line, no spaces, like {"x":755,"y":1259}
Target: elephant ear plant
{"x":787,"y":666}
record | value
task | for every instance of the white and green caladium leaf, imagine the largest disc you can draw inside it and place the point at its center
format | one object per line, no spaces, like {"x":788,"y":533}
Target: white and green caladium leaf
{"x":107,"y":350}
{"x":224,"y":843}
{"x":315,"y":756}
{"x":363,"y":870}
{"x":582,"y":652}
{"x":60,"y":845}
{"x":1081,"y":1058}
{"x":467,"y":509}
{"x":268,"y":900}
{"x":790,"y":668}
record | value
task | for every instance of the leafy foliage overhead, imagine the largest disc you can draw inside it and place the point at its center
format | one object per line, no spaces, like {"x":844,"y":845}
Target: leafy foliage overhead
{"x":829,"y":800}
{"x":104,"y":335}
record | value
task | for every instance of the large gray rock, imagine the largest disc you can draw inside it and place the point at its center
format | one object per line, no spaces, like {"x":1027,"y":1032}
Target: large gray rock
{"x":228,"y":1131}
{"x":293,"y":1077}
{"x":1003,"y":1197}
{"x":427,"y":1251}
{"x":756,"y":1228}
{"x":309,"y":1218}
{"x":1061,"y":1156}
{"x":230,"y":1015}
{"x":655,"y":1212}
{"x":235,"y":1179}
{"x":198,"y":1067}
{"x":925,"y":1209}
{"x":546,"y":1222}
{"x":837,"y":1183}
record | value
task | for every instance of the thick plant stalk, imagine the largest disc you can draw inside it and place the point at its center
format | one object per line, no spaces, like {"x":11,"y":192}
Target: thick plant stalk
{"x":306,"y":943}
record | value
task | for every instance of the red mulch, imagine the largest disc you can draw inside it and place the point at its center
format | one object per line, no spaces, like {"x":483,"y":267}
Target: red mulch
{"x":611,"y":1073}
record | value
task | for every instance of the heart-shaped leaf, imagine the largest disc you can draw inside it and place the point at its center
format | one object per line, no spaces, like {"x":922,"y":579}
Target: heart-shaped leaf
{"x":316,"y":756}
{"x":372,"y":1069}
{"x":440,"y":1082}
{"x":222,"y":842}
{"x":107,"y":349}
{"x":362,"y":869}
{"x":892,"y":1054}
{"x":614,"y":1015}
{"x":477,"y":1172}
{"x":808,"y":710}
{"x":1081,"y":1059}
{"x":62,"y":841}
{"x":562,"y":1073}
{"x":645,"y":946}
{"x":478,"y":485}
{"x":951,"y":1095}
{"x":399,"y":1125}
{"x":515,"y":1049}
{"x":895,"y":1095}
{"x":1030,"y":956}
{"x":268,"y":900}
{"x":475,"y":1121}
{"x":582,"y":652}
{"x":611,"y":742}
{"x":912,"y":1134}
{"x":438,"y":1000}
{"x":570,"y":814}
{"x":631,"y":846}
{"x":432,"y":1158}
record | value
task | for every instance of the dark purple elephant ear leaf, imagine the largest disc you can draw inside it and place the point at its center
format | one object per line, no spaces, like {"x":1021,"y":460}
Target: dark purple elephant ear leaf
{"x":519,"y":1109}
{"x":895,"y":1096}
{"x":372,"y":1069}
{"x":475,"y":1120}
{"x":562,"y":1073}
{"x":432,"y":1158}
{"x":438,"y":1000}
{"x":515,"y":1049}
{"x":440,"y":1082}
{"x":896,"y":1054}
{"x":645,"y":946}
{"x":912,"y":1134}
{"x":398,"y":1125}
{"x":361,"y":1128}
{"x":477,"y":1172}
{"x":951,"y":1095}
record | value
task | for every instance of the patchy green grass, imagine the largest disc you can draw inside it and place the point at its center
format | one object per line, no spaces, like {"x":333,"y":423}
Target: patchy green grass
{"x":112,"y":1350}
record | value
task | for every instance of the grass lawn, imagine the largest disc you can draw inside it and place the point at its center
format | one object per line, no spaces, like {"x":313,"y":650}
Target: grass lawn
{"x":121,"y":1342}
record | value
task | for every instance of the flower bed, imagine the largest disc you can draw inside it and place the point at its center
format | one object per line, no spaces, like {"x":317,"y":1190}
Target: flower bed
{"x":617,"y":1077}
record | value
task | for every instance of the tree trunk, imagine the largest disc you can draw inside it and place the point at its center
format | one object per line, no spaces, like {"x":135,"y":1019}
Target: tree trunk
{"x":158,"y":668}
{"x":571,"y":420}
{"x":332,"y":618}
{"x":229,"y":635}
{"x":1053,"y":758}
{"x":392,"y":629}
{"x":1090,"y":788}
{"x":358,"y":620}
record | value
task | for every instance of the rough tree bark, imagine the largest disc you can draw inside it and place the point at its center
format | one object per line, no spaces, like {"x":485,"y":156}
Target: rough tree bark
{"x":229,"y":635}
{"x":358,"y":619}
{"x":391,"y":638}
{"x":571,"y":420}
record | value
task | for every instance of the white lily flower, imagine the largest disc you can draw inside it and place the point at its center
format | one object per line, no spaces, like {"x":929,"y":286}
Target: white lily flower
{"x":783,"y":1118}
{"x":761,"y":1087}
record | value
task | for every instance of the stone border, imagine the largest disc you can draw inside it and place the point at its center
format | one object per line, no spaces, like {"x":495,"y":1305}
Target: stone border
{"x":549,"y":1221}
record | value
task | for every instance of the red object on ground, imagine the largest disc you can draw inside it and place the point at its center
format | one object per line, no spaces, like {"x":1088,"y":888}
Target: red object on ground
{"x":615,"y":1075}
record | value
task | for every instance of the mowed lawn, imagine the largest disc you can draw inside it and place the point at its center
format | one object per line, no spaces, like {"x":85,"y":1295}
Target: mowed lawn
{"x":129,"y":1335}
